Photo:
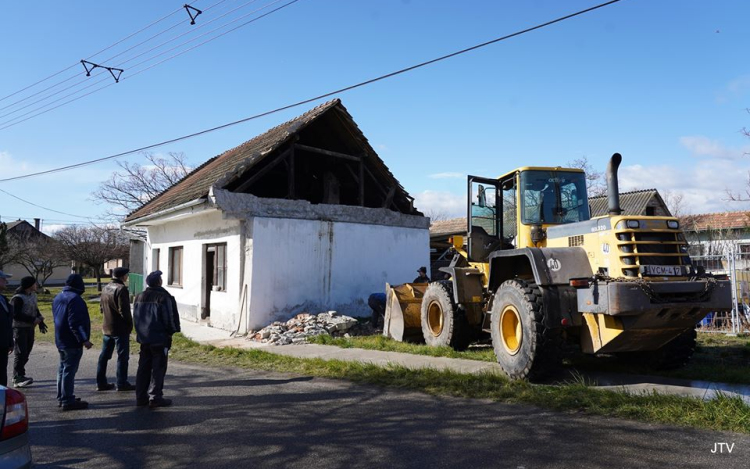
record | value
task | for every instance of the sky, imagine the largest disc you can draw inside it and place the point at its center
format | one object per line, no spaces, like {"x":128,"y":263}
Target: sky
{"x":666,"y":84}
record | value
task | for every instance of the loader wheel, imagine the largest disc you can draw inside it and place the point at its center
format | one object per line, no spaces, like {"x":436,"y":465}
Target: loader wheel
{"x":523,"y":346}
{"x":674,"y":354}
{"x":442,"y":322}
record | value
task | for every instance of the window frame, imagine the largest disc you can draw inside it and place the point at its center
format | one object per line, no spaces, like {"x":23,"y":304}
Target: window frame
{"x":176,"y":281}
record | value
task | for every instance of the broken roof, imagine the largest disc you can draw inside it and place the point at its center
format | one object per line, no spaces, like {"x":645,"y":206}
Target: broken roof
{"x":226,"y":169}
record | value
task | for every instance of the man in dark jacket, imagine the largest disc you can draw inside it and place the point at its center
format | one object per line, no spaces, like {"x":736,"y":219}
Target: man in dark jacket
{"x":422,"y":277}
{"x":26,"y":317}
{"x":117,"y":326}
{"x":6,"y":330}
{"x":156,"y":319}
{"x":72,"y":333}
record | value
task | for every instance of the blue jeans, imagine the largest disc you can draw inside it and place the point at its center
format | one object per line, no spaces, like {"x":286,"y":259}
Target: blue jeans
{"x":66,"y":374}
{"x":122,"y":343}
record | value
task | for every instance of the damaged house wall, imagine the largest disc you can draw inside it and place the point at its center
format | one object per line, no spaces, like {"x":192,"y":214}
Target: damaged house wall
{"x":311,"y":216}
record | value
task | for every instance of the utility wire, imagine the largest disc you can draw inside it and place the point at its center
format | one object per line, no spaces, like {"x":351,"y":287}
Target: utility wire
{"x":82,"y":79}
{"x":78,"y":64}
{"x":316,"y":98}
{"x":19,"y":119}
{"x":45,"y":208}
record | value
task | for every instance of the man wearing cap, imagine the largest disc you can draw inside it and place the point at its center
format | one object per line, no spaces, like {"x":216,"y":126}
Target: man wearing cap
{"x":156,"y":320}
{"x":423,"y":278}
{"x":72,"y":333}
{"x":26,"y":317}
{"x":6,"y":330}
{"x":116,"y":326}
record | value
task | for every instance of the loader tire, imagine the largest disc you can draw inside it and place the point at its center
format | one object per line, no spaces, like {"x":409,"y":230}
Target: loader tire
{"x":524,"y":347}
{"x":443,"y":324}
{"x":675,"y":354}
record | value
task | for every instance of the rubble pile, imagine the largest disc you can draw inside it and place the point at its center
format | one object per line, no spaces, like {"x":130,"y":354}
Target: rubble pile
{"x":304,"y":325}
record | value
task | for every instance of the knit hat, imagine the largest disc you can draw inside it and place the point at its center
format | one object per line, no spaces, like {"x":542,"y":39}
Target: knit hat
{"x":27,"y":282}
{"x":75,"y":282}
{"x":422,"y":269}
{"x":120,"y":272}
{"x":154,"y":278}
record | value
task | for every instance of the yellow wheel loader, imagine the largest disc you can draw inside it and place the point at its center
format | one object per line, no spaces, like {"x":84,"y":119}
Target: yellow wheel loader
{"x":536,"y":270}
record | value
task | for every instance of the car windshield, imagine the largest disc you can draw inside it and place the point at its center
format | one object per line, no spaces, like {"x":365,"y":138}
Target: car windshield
{"x":553,"y":197}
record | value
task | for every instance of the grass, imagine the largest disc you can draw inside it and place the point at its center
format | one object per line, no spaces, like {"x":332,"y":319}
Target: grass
{"x":724,"y":413}
{"x":717,"y":357}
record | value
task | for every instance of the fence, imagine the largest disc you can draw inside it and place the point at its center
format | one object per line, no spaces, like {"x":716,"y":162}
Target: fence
{"x":738,"y":319}
{"x":135,"y":283}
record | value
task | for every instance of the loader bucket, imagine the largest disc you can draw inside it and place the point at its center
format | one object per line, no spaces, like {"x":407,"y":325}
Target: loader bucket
{"x":403,"y":317}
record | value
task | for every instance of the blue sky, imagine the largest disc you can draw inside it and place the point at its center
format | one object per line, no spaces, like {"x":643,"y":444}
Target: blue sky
{"x":666,"y":84}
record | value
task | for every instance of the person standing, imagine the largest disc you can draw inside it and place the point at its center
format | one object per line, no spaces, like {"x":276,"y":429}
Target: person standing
{"x":117,"y":326}
{"x":72,"y":333}
{"x":156,"y":320}
{"x":26,"y":317}
{"x":6,"y":330}
{"x":422,"y":278}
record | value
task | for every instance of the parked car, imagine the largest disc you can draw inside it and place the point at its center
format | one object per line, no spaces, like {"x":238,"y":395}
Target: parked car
{"x":15,"y":452}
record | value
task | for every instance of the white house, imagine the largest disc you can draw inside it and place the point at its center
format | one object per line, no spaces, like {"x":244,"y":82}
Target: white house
{"x":305,"y":217}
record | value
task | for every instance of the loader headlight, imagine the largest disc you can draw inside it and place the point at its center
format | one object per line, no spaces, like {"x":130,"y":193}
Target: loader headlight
{"x":633,"y":224}
{"x":674,"y":224}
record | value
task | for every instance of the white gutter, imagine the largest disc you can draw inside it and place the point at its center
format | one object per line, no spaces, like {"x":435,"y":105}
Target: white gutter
{"x":161,"y":213}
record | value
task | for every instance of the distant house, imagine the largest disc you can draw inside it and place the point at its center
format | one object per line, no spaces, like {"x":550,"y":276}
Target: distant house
{"x":304,"y":217}
{"x":713,"y":236}
{"x":21,"y":229}
{"x":646,"y":202}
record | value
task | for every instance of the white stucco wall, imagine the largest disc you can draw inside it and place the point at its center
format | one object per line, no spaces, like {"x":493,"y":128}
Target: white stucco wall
{"x":193,"y":234}
{"x":312,"y":265}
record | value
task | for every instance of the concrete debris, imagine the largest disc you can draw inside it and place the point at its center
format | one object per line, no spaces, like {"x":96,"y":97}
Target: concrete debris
{"x":304,"y":325}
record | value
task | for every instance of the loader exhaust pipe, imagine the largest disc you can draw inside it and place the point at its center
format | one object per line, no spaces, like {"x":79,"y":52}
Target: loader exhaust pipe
{"x":613,"y":190}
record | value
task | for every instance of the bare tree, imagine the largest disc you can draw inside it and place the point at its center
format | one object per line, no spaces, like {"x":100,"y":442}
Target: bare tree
{"x":596,"y":183}
{"x":40,"y":255}
{"x":436,"y":214}
{"x":93,"y":246}
{"x":7,"y":255}
{"x":136,"y":184}
{"x":675,"y":203}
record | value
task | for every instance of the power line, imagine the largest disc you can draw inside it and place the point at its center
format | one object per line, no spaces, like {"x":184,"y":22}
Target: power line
{"x":19,"y":119}
{"x":94,"y":55}
{"x":83,"y":79}
{"x":316,"y":98}
{"x":44,"y":208}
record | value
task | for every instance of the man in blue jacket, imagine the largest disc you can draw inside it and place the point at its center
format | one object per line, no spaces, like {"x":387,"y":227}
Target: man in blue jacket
{"x":156,"y":319}
{"x":72,"y":333}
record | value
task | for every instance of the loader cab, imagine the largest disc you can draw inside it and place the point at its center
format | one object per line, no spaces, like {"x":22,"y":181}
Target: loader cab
{"x":504,"y":212}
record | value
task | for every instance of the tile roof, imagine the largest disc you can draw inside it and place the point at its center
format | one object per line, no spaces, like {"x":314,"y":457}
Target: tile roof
{"x":632,"y":203}
{"x":715,"y":221}
{"x":448,"y":227}
{"x":230,"y":165}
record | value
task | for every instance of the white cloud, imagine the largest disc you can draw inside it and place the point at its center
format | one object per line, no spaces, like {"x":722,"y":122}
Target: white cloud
{"x":739,"y":85}
{"x":444,"y":204}
{"x":447,"y":176}
{"x":703,"y":185}
{"x":699,"y":146}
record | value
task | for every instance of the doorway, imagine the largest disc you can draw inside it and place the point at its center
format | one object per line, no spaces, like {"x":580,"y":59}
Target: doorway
{"x":208,"y":284}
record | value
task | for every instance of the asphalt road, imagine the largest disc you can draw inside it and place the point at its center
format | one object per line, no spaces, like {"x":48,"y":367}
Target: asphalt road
{"x":238,"y":418}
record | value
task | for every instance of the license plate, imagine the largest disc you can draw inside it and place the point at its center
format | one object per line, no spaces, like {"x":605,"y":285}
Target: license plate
{"x":665,"y":270}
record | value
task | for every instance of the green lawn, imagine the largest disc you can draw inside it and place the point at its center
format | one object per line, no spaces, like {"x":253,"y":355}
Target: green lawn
{"x":724,"y":413}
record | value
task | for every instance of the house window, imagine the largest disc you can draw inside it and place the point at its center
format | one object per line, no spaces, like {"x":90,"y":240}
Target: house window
{"x":155,"y":259}
{"x":744,"y":251}
{"x":175,"y":266}
{"x":216,"y":256}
